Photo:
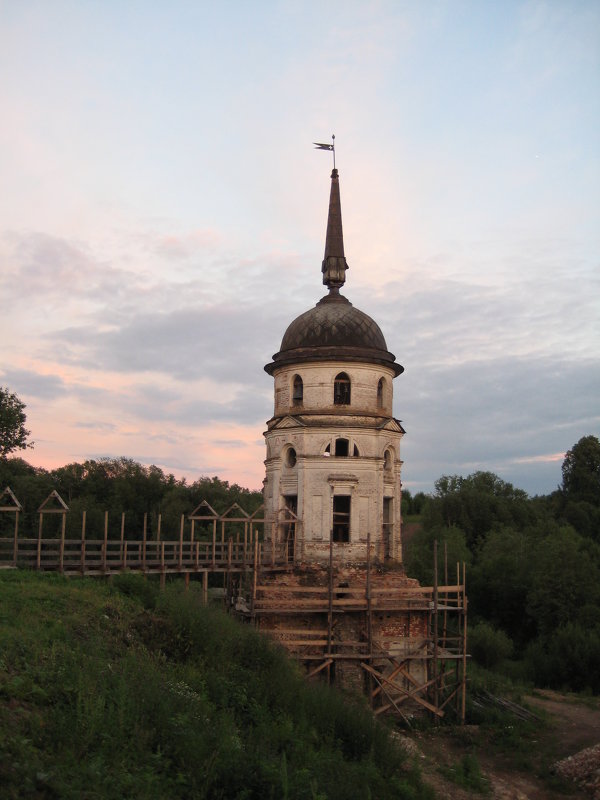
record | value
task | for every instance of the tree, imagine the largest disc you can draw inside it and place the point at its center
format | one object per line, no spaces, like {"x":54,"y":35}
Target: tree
{"x":477,"y":504}
{"x":581,"y":471}
{"x":13,"y":434}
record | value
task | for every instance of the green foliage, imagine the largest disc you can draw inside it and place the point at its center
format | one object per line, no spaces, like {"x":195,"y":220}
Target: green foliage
{"x":413,"y":505}
{"x":13,"y":434}
{"x":115,"y":691}
{"x":467,"y":773}
{"x":565,"y":581}
{"x":568,"y":657}
{"x":533,"y":580}
{"x":581,"y":471}
{"x":476,"y":504}
{"x":419,"y":557}
{"x":488,"y":646}
{"x":117,"y":486}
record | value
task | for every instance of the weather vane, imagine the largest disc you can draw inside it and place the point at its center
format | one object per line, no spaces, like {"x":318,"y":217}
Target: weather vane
{"x":319,"y":146}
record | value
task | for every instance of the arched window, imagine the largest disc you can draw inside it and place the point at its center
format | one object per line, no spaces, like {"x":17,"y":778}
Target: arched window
{"x":380,"y":390}
{"x":290,"y":457}
{"x":388,"y":460}
{"x":297,"y":391}
{"x":341,"y":390}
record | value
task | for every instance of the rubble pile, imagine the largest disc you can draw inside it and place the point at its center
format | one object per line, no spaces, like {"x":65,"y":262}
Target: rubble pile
{"x":584,"y":769}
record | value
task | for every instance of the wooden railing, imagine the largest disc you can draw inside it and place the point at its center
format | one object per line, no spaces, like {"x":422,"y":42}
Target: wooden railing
{"x":100,"y":556}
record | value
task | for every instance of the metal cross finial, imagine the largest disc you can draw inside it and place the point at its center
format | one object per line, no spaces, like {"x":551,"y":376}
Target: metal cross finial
{"x":331,"y":147}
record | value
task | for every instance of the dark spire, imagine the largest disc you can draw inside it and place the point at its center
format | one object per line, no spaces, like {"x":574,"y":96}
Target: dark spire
{"x":334,"y":262}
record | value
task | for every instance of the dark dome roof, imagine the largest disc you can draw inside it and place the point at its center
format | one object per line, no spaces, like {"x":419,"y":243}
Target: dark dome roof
{"x":333,"y":330}
{"x":333,"y":324}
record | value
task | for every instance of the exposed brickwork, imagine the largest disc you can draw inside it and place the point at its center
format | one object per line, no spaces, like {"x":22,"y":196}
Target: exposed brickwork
{"x":304,"y":617}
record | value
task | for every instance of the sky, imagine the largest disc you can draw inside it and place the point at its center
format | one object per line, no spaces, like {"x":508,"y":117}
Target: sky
{"x":163,"y":214}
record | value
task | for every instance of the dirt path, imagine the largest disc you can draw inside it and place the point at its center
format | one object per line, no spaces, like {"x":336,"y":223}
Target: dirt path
{"x":577,"y":724}
{"x":520,"y":773}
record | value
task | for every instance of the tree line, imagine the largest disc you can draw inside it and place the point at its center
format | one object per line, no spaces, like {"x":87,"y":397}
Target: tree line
{"x":116,"y":486}
{"x":533,"y":568}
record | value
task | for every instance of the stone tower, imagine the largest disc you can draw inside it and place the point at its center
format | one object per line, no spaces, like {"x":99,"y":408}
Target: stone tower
{"x":333,"y":445}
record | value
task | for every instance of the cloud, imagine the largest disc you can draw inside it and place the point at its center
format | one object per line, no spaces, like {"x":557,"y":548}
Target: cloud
{"x":34,"y":384}
{"x":486,"y":414}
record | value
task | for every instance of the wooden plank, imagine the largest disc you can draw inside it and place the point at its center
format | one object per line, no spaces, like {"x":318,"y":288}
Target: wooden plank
{"x":304,"y":643}
{"x":298,"y":631}
{"x":281,"y":587}
{"x":325,"y":665}
{"x":405,"y":695}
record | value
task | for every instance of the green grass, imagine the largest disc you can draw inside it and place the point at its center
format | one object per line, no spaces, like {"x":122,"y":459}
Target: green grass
{"x":467,"y":774}
{"x":121,"y":691}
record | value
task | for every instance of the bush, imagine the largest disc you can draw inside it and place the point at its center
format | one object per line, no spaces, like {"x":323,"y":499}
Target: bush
{"x":569,"y":657}
{"x":488,"y":646}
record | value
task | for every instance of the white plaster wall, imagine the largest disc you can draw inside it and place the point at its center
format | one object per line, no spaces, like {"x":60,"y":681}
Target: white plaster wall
{"x":318,"y":379}
{"x":316,"y":477}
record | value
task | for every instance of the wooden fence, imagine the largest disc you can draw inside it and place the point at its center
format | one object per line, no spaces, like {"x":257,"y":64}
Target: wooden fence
{"x":214,"y":549}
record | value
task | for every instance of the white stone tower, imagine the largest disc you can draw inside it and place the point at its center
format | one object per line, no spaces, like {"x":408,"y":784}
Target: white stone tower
{"x":333,"y":446}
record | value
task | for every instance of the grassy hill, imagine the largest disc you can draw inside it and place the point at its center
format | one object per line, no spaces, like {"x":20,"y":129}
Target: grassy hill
{"x":121,"y":691}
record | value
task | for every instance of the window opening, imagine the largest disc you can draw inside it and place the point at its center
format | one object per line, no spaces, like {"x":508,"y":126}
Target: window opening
{"x":380,"y":387}
{"x":387,"y":527}
{"x":341,"y":390}
{"x":355,"y":452}
{"x":297,"y":391}
{"x":327,"y":451}
{"x":341,"y":518}
{"x":289,"y":528}
{"x":290,"y":457}
{"x":342,"y":447}
{"x":387,"y":460}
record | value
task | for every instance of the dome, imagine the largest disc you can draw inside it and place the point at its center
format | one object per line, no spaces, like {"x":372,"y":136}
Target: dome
{"x":334,"y":330}
{"x":333,"y":324}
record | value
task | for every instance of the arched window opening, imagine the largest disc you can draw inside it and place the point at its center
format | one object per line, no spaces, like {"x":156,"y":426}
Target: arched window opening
{"x":342,"y":447}
{"x":341,"y":390}
{"x":380,"y":390}
{"x":341,"y":518}
{"x":327,"y":451}
{"x":290,"y":457}
{"x":355,"y":452}
{"x":297,"y":391}
{"x":388,"y":460}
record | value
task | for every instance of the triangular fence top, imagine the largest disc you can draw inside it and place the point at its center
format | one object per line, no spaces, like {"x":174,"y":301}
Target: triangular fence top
{"x":254,"y":516}
{"x":226,"y":514}
{"x":203,"y":511}
{"x":8,"y":502}
{"x":53,"y":504}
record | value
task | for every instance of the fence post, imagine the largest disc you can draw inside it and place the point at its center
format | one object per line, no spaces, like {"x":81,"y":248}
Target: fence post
{"x":181,"y":541}
{"x":122,"y":554}
{"x":16,"y":539}
{"x":144,"y":538}
{"x":61,"y":558}
{"x":38,"y":560}
{"x":83,"y":518}
{"x":105,"y":542}
{"x":205,"y":587}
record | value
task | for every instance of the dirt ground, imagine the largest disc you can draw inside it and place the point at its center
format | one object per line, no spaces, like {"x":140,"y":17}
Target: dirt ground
{"x":523,"y":773}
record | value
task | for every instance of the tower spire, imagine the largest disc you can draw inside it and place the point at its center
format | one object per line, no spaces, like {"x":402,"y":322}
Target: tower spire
{"x":334,"y":262}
